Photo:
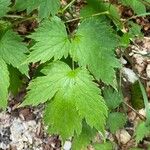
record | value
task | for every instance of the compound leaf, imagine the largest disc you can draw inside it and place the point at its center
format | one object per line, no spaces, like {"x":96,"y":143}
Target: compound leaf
{"x":90,"y":47}
{"x":74,"y":97}
{"x":51,"y":41}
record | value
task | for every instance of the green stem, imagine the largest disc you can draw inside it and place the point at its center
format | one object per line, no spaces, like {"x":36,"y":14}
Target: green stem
{"x":146,"y":103}
{"x":14,"y":16}
{"x":93,"y":15}
{"x":68,"y":5}
{"x":134,"y":17}
{"x":72,"y":64}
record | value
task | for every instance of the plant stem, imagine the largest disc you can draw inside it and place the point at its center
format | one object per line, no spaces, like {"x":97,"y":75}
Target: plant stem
{"x":146,"y":103}
{"x":14,"y":16}
{"x":68,"y":5}
{"x":93,"y":15}
{"x":72,"y":64}
{"x":134,"y":17}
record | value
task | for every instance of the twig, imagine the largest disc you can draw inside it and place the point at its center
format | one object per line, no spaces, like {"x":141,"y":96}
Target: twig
{"x":140,"y":115}
{"x":68,"y":5}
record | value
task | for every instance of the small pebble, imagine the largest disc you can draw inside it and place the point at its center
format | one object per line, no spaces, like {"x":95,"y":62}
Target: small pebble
{"x":148,"y":71}
{"x":67,"y":145}
{"x":129,"y":74}
{"x":123,"y":136}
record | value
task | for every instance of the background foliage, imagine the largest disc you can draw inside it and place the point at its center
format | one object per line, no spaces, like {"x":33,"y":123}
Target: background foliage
{"x":76,"y":69}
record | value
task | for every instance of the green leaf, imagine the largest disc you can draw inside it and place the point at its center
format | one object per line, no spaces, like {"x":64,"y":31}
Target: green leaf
{"x":4,"y":83}
{"x":97,"y":6}
{"x":92,"y":7}
{"x":135,"y":30}
{"x":104,"y":146}
{"x":84,"y":139}
{"x":137,"y":6}
{"x":116,"y":121}
{"x":125,"y":40}
{"x":141,"y":131}
{"x":4,"y":26}
{"x":48,"y":7}
{"x":51,"y":41}
{"x":90,"y":47}
{"x":136,"y":96}
{"x":74,"y":97}
{"x":15,"y":80}
{"x":45,"y":7}
{"x":12,"y":50}
{"x":146,"y":103}
{"x":112,"y":97}
{"x":114,"y":15}
{"x":62,"y":117}
{"x":4,"y":7}
{"x":30,"y":5}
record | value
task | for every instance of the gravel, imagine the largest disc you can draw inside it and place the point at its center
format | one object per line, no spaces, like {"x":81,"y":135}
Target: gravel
{"x":15,"y":132}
